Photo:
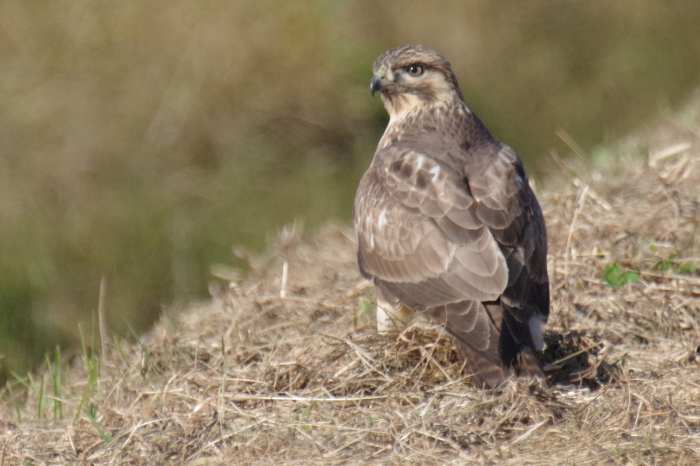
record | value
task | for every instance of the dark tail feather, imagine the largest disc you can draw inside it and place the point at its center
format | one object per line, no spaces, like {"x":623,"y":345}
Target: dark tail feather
{"x":509,"y":347}
{"x":485,"y":373}
{"x":490,"y":341}
{"x":527,"y":364}
{"x":517,"y":348}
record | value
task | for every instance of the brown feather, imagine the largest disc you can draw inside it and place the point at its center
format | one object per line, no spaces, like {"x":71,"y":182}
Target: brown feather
{"x":447,"y":224}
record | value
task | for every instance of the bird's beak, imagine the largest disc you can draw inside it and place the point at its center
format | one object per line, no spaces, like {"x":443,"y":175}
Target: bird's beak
{"x":375,"y":84}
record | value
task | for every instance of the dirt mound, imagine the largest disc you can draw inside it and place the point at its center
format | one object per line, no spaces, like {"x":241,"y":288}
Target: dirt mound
{"x":285,"y":366}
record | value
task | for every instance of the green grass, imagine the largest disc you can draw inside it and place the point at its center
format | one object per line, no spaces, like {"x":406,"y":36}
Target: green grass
{"x":671,"y":264}
{"x":56,"y":378}
{"x":615,"y":277}
{"x":91,"y":414}
{"x":93,"y":370}
{"x":39,"y":389}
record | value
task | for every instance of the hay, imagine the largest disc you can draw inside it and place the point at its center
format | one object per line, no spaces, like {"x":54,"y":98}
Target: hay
{"x":292,"y":372}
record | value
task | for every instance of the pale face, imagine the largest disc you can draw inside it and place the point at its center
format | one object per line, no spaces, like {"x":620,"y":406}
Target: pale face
{"x":410,"y":82}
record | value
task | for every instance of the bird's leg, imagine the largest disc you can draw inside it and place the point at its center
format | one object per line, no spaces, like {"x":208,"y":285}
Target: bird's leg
{"x":389,"y":317}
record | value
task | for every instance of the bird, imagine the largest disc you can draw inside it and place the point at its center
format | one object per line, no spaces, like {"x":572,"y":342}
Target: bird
{"x":447,"y":225}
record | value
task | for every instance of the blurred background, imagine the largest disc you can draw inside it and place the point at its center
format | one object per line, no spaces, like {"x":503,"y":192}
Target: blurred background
{"x":143,"y":141}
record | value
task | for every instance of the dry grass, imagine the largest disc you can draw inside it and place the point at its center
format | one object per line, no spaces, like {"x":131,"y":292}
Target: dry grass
{"x":140,"y":140}
{"x":252,"y":377}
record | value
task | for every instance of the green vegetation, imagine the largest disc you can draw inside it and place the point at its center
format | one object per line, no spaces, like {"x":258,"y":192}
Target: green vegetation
{"x":140,"y":142}
{"x":38,"y":390}
{"x":57,"y":393}
{"x":673,"y":265}
{"x":92,"y":363}
{"x":364,"y":311}
{"x":614,"y":277}
{"x":91,"y":414}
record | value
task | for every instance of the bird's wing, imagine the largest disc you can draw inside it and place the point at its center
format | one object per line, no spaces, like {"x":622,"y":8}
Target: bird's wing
{"x":443,"y":239}
{"x":509,"y":209}
{"x":419,"y":233}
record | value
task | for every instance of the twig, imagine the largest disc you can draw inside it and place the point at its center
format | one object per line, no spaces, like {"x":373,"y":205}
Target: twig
{"x":359,"y":289}
{"x":131,"y":434}
{"x":343,"y":399}
{"x":101,"y":315}
{"x":592,"y":194}
{"x":669,"y":276}
{"x":529,"y":432}
{"x":429,"y":357}
{"x":285,"y":274}
{"x":447,"y":441}
{"x":566,"y":170}
{"x":573,"y":145}
{"x":670,"y":151}
{"x":361,"y":354}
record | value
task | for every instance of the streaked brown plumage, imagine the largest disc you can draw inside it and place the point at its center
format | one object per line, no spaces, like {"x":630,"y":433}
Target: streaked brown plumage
{"x":447,"y":225}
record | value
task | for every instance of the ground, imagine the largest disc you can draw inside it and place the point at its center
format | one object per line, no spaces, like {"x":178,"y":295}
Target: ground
{"x":286,"y":367}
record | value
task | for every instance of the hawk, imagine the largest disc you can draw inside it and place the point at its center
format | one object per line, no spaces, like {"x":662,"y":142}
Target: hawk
{"x":446,"y":223}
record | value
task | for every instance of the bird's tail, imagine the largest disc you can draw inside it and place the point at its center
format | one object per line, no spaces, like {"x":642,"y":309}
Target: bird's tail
{"x":484,"y":372}
{"x":488,"y":346}
{"x":476,"y":330}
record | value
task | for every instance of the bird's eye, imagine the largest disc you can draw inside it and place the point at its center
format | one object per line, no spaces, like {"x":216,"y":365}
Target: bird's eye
{"x":414,"y":70}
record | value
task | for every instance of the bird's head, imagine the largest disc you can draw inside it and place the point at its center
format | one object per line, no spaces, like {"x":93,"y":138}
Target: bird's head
{"x":413,"y":76}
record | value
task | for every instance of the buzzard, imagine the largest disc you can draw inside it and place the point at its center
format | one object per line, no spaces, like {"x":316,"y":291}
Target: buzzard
{"x":447,"y":225}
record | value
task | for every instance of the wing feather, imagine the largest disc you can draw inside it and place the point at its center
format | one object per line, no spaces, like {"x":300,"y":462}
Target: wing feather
{"x":406,"y":236}
{"x":458,"y":236}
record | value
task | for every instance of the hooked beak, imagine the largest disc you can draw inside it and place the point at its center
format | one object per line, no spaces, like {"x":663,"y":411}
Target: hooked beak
{"x":375,"y":84}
